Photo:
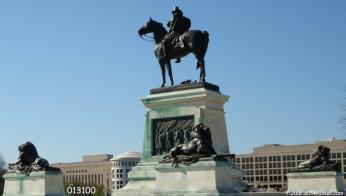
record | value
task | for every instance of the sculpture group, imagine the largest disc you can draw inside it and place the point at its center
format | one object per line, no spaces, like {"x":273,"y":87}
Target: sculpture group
{"x":178,"y":42}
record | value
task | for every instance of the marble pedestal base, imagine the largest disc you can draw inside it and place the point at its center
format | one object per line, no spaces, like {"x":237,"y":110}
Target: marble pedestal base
{"x":206,"y":177}
{"x":315,"y":182}
{"x":141,"y":181}
{"x":47,"y":183}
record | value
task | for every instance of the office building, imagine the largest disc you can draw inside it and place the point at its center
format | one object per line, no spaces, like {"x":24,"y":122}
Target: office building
{"x":92,"y":170}
{"x":267,"y":165}
{"x":121,"y":165}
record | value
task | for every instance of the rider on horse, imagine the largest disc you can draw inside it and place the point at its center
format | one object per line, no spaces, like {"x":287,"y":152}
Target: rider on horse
{"x":178,"y":25}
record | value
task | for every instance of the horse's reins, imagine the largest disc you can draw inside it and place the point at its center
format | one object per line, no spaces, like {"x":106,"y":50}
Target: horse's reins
{"x":151,"y":39}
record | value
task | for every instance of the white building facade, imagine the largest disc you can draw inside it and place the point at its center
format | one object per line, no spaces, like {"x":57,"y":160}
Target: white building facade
{"x":121,"y":166}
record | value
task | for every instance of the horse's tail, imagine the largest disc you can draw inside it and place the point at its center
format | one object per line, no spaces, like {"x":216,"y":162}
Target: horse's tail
{"x":206,"y":36}
{"x":204,"y":46}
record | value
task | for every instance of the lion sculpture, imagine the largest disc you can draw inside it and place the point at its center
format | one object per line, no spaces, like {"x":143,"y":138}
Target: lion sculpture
{"x":29,"y":161}
{"x":319,"y":162}
{"x":200,"y":145}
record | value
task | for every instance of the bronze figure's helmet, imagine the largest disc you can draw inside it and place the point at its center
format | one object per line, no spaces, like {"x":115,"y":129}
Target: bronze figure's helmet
{"x":177,"y":11}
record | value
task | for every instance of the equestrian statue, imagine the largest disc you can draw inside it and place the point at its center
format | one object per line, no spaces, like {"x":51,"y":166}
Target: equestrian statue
{"x":178,"y":42}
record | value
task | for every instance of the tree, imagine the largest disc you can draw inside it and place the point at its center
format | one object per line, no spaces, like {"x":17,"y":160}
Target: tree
{"x":2,"y":172}
{"x":2,"y":163}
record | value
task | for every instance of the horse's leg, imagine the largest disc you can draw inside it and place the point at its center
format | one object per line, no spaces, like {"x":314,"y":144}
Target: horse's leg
{"x":202,"y":75}
{"x":200,"y":64}
{"x":169,"y":69}
{"x":163,"y":72}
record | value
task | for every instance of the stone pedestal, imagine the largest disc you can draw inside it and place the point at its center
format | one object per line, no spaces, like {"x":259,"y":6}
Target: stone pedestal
{"x":206,"y":177}
{"x":315,"y":182}
{"x":141,"y":180}
{"x":201,"y":104}
{"x":183,"y":107}
{"x":43,"y":183}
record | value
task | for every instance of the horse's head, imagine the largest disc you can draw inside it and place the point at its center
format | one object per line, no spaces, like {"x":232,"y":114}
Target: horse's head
{"x":149,"y":27}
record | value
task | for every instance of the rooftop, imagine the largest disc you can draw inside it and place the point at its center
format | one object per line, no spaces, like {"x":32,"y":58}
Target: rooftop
{"x":130,"y":154}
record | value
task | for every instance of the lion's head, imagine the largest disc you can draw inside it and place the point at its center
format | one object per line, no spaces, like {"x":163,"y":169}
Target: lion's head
{"x":28,"y":153}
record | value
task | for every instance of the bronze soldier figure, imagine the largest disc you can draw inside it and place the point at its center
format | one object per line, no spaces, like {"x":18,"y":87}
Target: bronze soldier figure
{"x":191,"y":41}
{"x":178,"y":25}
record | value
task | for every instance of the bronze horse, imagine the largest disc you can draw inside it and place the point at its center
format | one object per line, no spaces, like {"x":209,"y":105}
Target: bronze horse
{"x":194,"y":41}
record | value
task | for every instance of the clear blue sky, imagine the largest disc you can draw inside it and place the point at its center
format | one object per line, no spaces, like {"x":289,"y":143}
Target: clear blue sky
{"x":72,"y":72}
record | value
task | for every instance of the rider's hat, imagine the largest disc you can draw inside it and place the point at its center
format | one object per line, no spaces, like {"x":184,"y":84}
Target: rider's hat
{"x":176,"y":10}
